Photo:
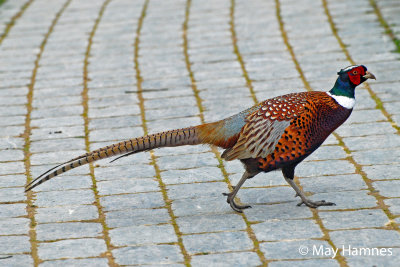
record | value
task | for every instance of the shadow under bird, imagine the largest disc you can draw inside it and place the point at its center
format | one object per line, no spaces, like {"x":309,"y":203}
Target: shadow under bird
{"x":277,"y":133}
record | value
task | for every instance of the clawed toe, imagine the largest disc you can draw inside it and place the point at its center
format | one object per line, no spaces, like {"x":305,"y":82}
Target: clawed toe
{"x":236,"y":207}
{"x":316,"y":204}
{"x":232,"y":203}
{"x":300,"y":193}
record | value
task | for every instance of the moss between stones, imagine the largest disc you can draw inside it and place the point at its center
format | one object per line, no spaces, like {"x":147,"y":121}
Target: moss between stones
{"x":11,"y":23}
{"x":27,"y":132}
{"x":85,"y":105}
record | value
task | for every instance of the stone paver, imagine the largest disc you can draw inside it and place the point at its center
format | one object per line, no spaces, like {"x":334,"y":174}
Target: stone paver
{"x":79,"y":75}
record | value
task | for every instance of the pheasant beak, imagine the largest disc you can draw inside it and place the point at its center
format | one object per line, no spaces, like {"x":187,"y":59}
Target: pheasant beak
{"x":369,"y":75}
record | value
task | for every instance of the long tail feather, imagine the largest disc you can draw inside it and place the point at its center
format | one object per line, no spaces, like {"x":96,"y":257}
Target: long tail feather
{"x":179,"y":137}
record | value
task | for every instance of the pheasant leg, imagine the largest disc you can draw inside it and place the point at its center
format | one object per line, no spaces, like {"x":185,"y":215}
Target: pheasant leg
{"x":288,"y":173}
{"x":231,"y":195}
{"x":304,"y":199}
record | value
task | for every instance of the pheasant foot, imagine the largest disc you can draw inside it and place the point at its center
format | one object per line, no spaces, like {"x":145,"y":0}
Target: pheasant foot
{"x":231,"y":195}
{"x":233,"y":204}
{"x":315,"y":204}
{"x":304,"y":199}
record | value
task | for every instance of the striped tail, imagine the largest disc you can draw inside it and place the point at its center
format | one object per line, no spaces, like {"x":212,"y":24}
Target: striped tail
{"x":179,"y":137}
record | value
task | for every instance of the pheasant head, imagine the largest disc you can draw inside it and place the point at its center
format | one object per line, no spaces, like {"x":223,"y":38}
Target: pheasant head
{"x":349,"y":78}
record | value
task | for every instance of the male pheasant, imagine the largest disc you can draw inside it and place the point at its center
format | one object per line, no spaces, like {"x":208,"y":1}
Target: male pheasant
{"x":275,"y":134}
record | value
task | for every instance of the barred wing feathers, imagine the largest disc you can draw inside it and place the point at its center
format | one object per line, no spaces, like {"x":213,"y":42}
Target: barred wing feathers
{"x":265,"y":127}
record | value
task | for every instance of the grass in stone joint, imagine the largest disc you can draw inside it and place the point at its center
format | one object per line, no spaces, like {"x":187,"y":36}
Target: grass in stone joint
{"x":385,"y":25}
{"x":397,"y":43}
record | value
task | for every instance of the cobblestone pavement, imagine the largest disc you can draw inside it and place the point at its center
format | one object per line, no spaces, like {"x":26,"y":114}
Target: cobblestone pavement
{"x":77,"y":75}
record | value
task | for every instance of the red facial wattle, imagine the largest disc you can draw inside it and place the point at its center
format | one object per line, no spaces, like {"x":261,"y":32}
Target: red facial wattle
{"x":355,"y":75}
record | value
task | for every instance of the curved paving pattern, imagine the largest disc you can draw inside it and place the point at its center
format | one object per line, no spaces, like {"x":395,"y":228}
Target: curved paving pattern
{"x":77,"y":75}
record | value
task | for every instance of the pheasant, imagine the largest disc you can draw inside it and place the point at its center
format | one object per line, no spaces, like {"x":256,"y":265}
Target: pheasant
{"x":277,"y":133}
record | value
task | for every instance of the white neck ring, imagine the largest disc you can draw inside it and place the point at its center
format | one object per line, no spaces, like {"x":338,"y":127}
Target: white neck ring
{"x":344,"y":101}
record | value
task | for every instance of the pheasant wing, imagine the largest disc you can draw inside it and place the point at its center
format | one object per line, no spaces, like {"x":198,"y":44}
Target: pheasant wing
{"x":265,"y":126}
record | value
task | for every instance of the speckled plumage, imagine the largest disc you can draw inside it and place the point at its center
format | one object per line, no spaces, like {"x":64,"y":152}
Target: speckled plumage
{"x":278,"y":133}
{"x":316,"y":116}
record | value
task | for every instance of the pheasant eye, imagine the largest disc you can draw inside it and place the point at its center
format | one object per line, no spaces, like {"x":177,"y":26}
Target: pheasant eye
{"x":355,"y":72}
